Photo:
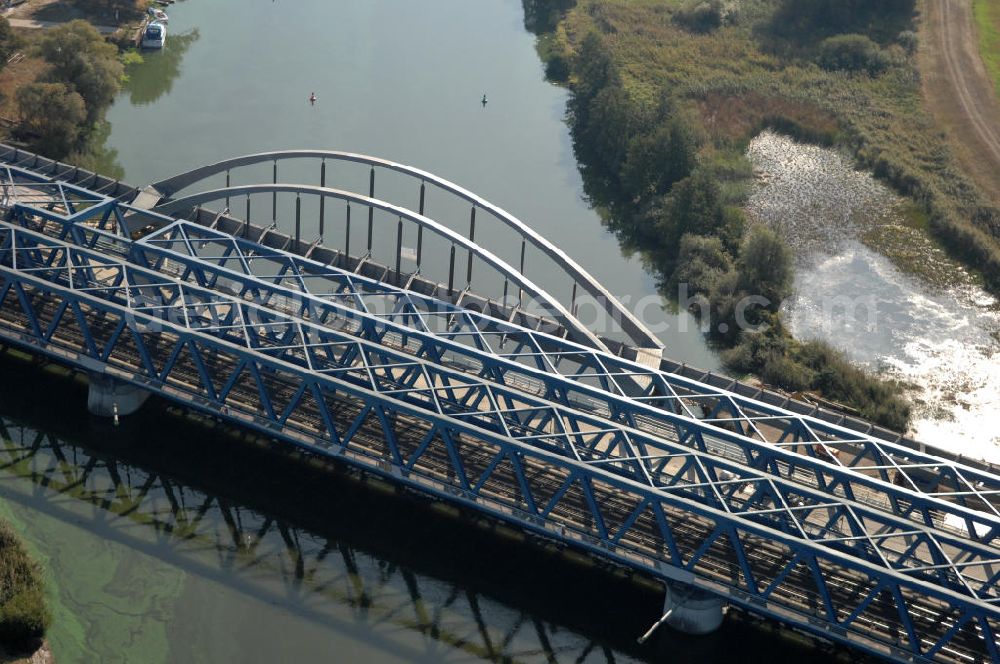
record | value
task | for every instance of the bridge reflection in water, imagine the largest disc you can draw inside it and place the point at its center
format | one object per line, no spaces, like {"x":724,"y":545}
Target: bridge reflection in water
{"x":334,"y":544}
{"x":274,"y":559}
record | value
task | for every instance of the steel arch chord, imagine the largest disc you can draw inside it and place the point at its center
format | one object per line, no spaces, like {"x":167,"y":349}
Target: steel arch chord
{"x":633,"y":327}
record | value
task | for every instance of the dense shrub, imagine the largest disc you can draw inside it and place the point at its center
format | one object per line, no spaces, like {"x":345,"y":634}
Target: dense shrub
{"x":852,"y":53}
{"x":24,"y":616}
{"x":700,"y":15}
{"x":786,"y":373}
{"x":839,"y":379}
{"x":701,"y":262}
{"x":24,"y":619}
{"x":817,"y":366}
{"x":51,"y":116}
{"x":908,"y":40}
{"x":809,"y":17}
{"x":83,"y":59}
{"x":765,"y":266}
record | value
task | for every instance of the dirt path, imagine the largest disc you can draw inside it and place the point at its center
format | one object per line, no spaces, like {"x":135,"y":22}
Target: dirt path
{"x":34,"y":14}
{"x":29,"y":23}
{"x":958,"y":91}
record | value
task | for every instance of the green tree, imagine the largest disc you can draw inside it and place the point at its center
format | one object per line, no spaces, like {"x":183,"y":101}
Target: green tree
{"x":695,"y":205}
{"x":657,"y":159}
{"x":542,"y":16}
{"x":765,"y":266}
{"x":82,"y":58}
{"x":611,"y":122}
{"x":594,"y":72}
{"x":51,"y":115}
{"x":852,"y":53}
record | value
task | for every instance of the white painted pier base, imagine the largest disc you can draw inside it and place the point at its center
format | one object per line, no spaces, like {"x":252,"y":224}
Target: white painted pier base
{"x":108,"y":397}
{"x":694,"y":611}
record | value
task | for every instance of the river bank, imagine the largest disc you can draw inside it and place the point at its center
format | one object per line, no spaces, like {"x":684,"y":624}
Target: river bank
{"x":62,"y":64}
{"x":760,"y":64}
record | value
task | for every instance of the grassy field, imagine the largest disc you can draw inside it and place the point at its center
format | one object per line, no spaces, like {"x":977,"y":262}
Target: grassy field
{"x":987,"y":13}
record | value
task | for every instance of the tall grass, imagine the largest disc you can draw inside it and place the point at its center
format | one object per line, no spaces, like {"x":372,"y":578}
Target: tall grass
{"x":987,"y":13}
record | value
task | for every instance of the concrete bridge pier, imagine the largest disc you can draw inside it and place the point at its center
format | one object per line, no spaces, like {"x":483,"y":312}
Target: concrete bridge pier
{"x":689,"y":610}
{"x":693,"y":611}
{"x":108,"y":397}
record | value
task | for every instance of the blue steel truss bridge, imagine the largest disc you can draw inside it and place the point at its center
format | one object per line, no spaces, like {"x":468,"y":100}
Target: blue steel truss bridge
{"x":434,"y":361}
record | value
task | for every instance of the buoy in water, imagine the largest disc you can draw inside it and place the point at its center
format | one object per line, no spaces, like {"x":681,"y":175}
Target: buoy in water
{"x":312,"y":97}
{"x":484,"y":99}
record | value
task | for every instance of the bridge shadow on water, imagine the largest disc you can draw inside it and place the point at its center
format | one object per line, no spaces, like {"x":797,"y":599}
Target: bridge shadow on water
{"x":283,"y":529}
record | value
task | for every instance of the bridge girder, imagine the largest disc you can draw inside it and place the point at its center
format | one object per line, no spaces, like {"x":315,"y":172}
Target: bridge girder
{"x":754,"y":550}
{"x":609,"y":501}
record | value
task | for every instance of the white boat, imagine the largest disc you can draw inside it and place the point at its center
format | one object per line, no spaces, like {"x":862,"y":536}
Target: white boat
{"x":158,"y":15}
{"x":154,"y":36}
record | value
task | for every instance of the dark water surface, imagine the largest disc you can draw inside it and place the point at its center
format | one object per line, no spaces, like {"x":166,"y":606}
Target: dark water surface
{"x":167,"y":540}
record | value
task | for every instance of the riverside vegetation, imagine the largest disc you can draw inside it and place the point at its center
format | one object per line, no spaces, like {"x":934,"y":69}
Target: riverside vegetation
{"x":666,"y":95}
{"x":71,"y":76}
{"x":63,"y":110}
{"x":24,"y":616}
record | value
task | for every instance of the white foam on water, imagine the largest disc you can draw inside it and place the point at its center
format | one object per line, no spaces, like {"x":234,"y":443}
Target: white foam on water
{"x":943,"y":342}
